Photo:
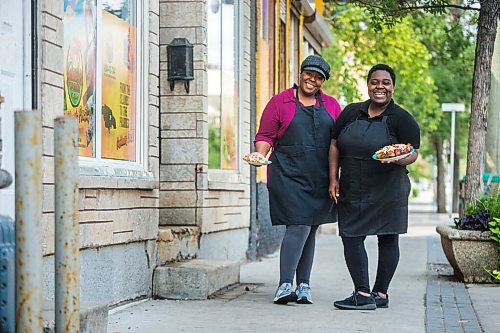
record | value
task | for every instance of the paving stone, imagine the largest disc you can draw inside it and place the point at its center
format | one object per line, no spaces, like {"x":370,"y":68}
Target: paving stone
{"x":448,"y":305}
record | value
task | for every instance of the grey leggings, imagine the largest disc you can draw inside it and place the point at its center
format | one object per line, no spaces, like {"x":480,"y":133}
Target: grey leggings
{"x":297,"y":253}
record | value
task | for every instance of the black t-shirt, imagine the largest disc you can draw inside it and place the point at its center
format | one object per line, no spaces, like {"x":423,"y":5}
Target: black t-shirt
{"x":401,"y":123}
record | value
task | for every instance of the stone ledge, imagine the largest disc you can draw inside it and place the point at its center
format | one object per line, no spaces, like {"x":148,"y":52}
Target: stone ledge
{"x":111,"y":182}
{"x":194,"y":279}
{"x":227,"y":186}
{"x":93,"y":317}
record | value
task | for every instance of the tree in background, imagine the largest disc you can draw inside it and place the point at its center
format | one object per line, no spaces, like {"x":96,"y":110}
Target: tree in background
{"x":451,"y":43}
{"x":358,"y":46}
{"x":389,"y":12}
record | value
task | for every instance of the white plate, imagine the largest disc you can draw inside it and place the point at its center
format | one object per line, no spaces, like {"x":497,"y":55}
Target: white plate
{"x":394,"y":158}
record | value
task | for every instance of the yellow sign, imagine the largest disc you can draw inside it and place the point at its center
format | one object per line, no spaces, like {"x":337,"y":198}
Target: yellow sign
{"x":119,"y":88}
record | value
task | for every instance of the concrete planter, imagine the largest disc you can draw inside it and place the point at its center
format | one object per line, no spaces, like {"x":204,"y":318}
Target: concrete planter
{"x":467,"y":251}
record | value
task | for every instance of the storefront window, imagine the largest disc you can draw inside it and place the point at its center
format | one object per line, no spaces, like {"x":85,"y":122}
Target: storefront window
{"x":223,"y":54}
{"x":100,"y":77}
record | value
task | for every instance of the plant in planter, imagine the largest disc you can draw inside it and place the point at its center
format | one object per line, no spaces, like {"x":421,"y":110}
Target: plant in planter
{"x":473,"y":221}
{"x":470,"y":246}
{"x":494,"y":227}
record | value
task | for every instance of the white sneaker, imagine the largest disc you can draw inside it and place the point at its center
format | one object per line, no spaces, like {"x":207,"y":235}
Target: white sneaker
{"x":285,"y":294}
{"x":303,"y":293}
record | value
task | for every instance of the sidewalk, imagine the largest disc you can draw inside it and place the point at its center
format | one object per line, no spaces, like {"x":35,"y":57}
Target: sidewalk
{"x":249,"y":308}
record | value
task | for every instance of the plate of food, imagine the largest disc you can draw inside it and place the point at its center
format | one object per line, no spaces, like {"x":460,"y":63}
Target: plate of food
{"x":256,"y":159}
{"x":393,"y":152}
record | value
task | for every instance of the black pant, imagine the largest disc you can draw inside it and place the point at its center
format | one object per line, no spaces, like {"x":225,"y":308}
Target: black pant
{"x":297,"y":253}
{"x":357,"y":262}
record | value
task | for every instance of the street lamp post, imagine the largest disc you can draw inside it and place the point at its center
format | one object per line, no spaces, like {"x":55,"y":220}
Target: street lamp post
{"x":453,"y":108}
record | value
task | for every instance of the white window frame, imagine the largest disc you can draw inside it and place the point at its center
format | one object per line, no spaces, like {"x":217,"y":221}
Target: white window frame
{"x":235,"y":175}
{"x":98,"y":166}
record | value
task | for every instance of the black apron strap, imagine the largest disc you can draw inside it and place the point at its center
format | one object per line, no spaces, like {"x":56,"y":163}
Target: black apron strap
{"x":318,"y":97}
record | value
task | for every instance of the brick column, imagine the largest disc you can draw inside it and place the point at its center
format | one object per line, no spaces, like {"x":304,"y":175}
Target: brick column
{"x":183,"y":118}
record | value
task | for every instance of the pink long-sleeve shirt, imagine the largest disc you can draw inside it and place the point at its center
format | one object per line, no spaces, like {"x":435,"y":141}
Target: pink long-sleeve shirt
{"x":280,"y":110}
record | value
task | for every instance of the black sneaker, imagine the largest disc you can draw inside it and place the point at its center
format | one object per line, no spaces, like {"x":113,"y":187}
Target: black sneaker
{"x":356,"y":302}
{"x":381,"y":302}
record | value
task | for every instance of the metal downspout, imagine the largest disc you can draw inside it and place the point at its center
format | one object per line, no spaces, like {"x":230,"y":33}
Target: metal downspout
{"x":254,"y":24}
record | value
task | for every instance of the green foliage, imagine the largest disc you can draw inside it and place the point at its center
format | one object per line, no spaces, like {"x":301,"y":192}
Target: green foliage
{"x":420,"y":170}
{"x":481,"y":213}
{"x":495,"y":235}
{"x":495,"y":229}
{"x":495,"y":273}
{"x":452,"y":44}
{"x":391,"y":12}
{"x":358,"y":46}
{"x":432,"y":55}
{"x":490,"y":203}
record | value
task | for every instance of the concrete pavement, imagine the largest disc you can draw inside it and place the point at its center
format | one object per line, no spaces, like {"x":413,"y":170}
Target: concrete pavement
{"x":423,"y":298}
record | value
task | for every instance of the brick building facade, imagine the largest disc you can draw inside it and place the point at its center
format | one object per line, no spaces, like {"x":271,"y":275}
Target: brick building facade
{"x":161,"y":174}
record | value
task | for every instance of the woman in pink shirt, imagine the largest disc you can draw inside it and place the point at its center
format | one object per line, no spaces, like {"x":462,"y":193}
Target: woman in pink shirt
{"x":297,"y":126}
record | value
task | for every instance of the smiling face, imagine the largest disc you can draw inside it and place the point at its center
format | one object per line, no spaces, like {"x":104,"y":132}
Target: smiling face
{"x":310,"y":82}
{"x":380,"y":88}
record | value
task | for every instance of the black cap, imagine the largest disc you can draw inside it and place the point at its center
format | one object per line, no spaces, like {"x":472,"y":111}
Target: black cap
{"x":316,"y":64}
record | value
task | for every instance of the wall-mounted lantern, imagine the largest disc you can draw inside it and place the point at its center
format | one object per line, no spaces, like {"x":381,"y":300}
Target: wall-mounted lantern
{"x":180,"y":62}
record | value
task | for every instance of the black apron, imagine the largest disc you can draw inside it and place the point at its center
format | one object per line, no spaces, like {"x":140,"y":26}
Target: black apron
{"x":298,"y":176}
{"x":373,"y":196}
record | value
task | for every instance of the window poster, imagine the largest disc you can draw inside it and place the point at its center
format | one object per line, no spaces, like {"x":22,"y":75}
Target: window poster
{"x":118,"y":110}
{"x":80,"y":69}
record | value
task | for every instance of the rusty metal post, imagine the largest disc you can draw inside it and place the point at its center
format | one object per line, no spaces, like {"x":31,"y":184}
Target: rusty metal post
{"x":67,"y":237}
{"x":28,"y":142}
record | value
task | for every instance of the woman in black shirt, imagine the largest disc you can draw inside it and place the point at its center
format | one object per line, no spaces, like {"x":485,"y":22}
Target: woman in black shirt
{"x":372,"y":194}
